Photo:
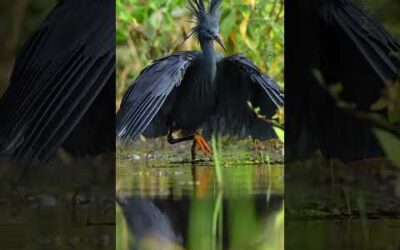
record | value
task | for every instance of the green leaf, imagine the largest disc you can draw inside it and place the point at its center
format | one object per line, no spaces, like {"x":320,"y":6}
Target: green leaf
{"x":156,"y":19}
{"x":280,"y":133}
{"x":336,"y":89}
{"x":394,"y":106}
{"x":318,"y":76}
{"x":390,"y":144}
{"x":380,"y":104}
{"x":228,"y":23}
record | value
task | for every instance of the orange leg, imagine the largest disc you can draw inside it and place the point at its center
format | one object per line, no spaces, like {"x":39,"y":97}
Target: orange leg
{"x":202,"y":144}
{"x":198,"y":142}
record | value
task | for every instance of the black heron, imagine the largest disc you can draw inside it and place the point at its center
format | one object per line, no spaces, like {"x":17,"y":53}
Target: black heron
{"x":194,"y":90}
{"x":347,"y":46}
{"x":61,"y":90}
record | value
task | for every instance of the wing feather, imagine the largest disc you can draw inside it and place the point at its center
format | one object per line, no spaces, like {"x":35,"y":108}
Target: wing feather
{"x":241,"y":81}
{"x":76,"y":109}
{"x":376,"y":45}
{"x":61,"y":106}
{"x":251,"y":70}
{"x":149,"y":92}
{"x":56,"y":77}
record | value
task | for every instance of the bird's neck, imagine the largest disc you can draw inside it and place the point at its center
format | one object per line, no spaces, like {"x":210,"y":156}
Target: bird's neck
{"x":209,"y":64}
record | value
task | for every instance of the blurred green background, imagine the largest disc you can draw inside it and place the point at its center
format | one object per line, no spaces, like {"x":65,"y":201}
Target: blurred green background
{"x":386,"y":11}
{"x":147,"y":30}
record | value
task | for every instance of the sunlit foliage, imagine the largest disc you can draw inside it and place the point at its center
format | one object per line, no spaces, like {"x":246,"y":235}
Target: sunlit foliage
{"x":147,"y":30}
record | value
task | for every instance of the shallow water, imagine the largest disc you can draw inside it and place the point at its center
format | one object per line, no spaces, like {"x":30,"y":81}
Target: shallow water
{"x":58,"y":206}
{"x":343,"y":234}
{"x":331,"y":205}
{"x":165,"y":202}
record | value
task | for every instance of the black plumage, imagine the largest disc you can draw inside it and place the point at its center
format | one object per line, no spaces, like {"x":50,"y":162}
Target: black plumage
{"x":67,"y":65}
{"x":191,"y":90}
{"x":347,"y":46}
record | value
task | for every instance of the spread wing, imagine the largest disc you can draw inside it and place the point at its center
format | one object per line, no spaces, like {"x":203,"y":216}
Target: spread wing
{"x":347,"y":46}
{"x":240,"y":82}
{"x":360,"y":54}
{"x":256,"y":77}
{"x":57,"y":76}
{"x":149,"y":92}
{"x":372,"y":40}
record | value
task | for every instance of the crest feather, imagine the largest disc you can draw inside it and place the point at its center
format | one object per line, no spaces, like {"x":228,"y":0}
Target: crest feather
{"x":215,"y":8}
{"x":198,"y":9}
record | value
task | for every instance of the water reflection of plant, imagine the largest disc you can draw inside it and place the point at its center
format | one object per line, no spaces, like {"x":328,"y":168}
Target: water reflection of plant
{"x":218,"y":214}
{"x":212,"y":227}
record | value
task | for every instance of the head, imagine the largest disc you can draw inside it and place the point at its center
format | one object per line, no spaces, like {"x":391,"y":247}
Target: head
{"x":207,"y":28}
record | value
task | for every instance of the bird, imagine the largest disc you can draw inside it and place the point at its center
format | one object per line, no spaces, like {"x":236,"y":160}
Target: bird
{"x":346,"y":46}
{"x":199,"y":92}
{"x":61,"y":91}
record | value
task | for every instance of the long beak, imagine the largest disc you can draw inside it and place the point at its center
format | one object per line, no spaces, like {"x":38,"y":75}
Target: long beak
{"x":219,"y":41}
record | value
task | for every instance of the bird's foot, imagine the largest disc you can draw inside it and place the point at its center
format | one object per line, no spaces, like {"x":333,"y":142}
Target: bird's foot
{"x":202,"y":144}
